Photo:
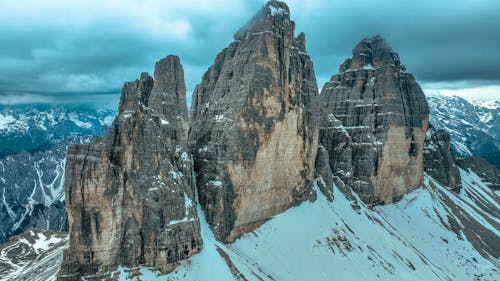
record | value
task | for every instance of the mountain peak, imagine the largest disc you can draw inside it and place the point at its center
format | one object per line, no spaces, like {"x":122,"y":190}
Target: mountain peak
{"x":277,"y":8}
{"x":372,"y":52}
{"x":273,"y":18}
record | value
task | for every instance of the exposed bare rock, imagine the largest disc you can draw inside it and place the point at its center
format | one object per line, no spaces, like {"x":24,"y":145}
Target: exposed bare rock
{"x":129,"y":198}
{"x":324,"y":175}
{"x":254,"y":134}
{"x":168,"y":96}
{"x":374,"y":119}
{"x":439,"y":161}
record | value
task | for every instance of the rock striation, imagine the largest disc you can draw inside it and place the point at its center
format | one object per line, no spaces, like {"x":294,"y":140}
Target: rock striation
{"x":254,"y":132}
{"x":439,"y":161}
{"x":129,"y":197}
{"x":374,"y":117}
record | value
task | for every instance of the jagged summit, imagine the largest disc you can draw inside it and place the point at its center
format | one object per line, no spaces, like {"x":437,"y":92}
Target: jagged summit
{"x":371,"y":52}
{"x":273,"y":18}
{"x":260,"y":140}
{"x":129,"y":197}
{"x":253,"y":133}
{"x":383,"y":113}
{"x":168,"y":95}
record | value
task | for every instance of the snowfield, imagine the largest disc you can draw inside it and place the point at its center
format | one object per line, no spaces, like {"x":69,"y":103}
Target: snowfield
{"x":431,"y":234}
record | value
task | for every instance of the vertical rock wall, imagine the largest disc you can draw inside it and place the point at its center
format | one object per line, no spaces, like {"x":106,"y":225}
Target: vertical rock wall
{"x":129,"y":198}
{"x":439,"y":161}
{"x":374,"y":119}
{"x":254,"y":126}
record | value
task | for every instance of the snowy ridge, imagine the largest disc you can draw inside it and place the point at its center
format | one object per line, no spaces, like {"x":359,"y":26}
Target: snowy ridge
{"x":426,"y":236}
{"x":491,"y":104}
{"x":14,"y":121}
{"x":28,"y":127}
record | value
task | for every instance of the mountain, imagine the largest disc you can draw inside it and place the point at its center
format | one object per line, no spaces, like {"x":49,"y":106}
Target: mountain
{"x":26,"y":127}
{"x":374,"y":118}
{"x":254,"y":132}
{"x":429,"y":235}
{"x":130,"y":196}
{"x":474,"y":127}
{"x":267,"y":179}
{"x":268,"y":175}
{"x":31,"y":180}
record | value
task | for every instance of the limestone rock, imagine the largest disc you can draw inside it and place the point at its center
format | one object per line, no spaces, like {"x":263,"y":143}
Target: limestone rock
{"x":373,"y":122}
{"x":324,"y":175}
{"x":439,"y":161}
{"x":254,"y":131}
{"x":129,"y":197}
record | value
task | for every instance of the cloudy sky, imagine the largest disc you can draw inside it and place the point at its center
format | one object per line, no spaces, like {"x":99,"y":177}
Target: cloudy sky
{"x":67,"y":51}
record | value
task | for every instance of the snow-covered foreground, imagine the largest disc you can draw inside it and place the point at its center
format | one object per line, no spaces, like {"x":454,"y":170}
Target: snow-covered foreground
{"x":35,"y":255}
{"x":431,"y":234}
{"x":426,"y":236}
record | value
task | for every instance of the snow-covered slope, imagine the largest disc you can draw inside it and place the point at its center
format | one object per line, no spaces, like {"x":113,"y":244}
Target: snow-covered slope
{"x":35,"y":255}
{"x":432,"y":234}
{"x":474,"y":127}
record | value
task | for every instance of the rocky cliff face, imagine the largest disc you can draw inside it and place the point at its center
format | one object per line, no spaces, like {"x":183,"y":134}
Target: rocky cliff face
{"x":374,"y":119}
{"x":439,"y":161}
{"x":129,"y":197}
{"x":254,"y":133}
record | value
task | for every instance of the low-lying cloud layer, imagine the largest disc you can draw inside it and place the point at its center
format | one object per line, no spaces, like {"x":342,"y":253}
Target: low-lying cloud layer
{"x":53,"y":47}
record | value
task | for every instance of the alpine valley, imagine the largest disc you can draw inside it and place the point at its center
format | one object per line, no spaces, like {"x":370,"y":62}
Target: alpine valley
{"x":265,"y":177}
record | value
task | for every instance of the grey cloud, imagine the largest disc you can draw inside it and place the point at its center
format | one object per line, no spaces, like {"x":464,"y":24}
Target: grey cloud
{"x":439,"y":41}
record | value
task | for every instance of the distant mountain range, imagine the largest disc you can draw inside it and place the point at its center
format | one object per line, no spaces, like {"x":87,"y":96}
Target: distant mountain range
{"x":33,"y":143}
{"x":474,"y":127}
{"x":27,"y":127}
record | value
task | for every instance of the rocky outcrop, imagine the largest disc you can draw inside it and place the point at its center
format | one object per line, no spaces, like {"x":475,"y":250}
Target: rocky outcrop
{"x":129,"y":197}
{"x":439,"y":161}
{"x":254,"y":134}
{"x":374,"y":117}
{"x":324,"y":176}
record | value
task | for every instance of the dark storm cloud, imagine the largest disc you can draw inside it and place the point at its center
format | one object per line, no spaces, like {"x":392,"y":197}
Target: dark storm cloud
{"x":439,"y":41}
{"x":59,"y":51}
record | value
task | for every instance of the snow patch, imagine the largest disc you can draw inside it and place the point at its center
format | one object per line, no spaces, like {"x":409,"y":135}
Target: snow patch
{"x":277,"y":11}
{"x":73,"y":117}
{"x":216,"y":183}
